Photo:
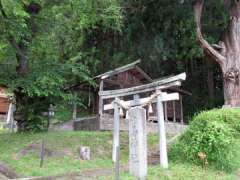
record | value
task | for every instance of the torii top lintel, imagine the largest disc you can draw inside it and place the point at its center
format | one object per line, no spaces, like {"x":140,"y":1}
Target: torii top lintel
{"x":156,"y":85}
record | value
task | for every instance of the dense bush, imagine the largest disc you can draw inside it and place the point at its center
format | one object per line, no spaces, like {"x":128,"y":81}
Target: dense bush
{"x":229,"y":116}
{"x":33,"y":113}
{"x":214,"y":134}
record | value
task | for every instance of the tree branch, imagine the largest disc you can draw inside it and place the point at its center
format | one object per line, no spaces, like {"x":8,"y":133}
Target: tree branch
{"x":2,"y":10}
{"x":15,"y":45}
{"x":10,"y":38}
{"x":203,"y":43}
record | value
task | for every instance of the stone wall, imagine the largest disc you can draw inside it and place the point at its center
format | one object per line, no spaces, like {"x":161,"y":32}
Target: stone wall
{"x":3,"y":118}
{"x":65,"y":126}
{"x":171,"y":128}
{"x":87,"y":124}
{"x":106,"y":123}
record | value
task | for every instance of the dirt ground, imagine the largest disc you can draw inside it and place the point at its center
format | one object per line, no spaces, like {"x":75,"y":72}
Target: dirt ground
{"x":2,"y":177}
{"x":7,"y":172}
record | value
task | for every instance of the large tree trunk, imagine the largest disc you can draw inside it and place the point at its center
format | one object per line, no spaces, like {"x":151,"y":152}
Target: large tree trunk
{"x":22,"y":58}
{"x":226,"y":53}
{"x":231,"y":94}
{"x":231,"y":65}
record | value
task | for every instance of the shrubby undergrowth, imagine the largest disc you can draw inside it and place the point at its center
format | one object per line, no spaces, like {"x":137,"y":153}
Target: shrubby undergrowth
{"x":212,"y":139}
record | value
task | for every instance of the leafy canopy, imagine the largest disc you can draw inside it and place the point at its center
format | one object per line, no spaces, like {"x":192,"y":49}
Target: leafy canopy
{"x":56,"y":36}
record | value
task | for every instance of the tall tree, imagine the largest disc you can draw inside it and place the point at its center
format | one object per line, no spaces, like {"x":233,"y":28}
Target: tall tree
{"x":168,"y":45}
{"x":226,"y":52}
{"x":48,"y":46}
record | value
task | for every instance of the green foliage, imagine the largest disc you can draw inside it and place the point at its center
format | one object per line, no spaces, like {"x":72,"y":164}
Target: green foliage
{"x":229,"y":116}
{"x":58,"y":47}
{"x":57,"y":54}
{"x":162,"y":34}
{"x":35,"y":122}
{"x":69,"y":41}
{"x":173,"y":38}
{"x":214,"y":133}
{"x":32,"y":110}
{"x":63,"y":112}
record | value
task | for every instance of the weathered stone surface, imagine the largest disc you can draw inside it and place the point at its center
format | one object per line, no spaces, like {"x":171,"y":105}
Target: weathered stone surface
{"x":6,"y":171}
{"x":137,"y":142}
{"x":2,"y":177}
{"x":3,"y":118}
{"x":85,"y":153}
{"x":106,"y":123}
{"x":87,"y":123}
{"x":66,"y":126}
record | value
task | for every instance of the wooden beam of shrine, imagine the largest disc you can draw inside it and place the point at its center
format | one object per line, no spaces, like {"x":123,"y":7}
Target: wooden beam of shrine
{"x":157,"y":85}
{"x":142,"y":101}
{"x":144,"y":74}
{"x":118,"y":70}
{"x":4,"y":96}
{"x":109,"y":81}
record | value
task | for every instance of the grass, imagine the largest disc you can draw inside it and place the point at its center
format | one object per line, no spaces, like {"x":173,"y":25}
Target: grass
{"x":68,"y":144}
{"x":179,"y":171}
{"x":2,"y":130}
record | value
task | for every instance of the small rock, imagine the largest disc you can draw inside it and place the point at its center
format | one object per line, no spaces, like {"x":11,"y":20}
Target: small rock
{"x":84,"y":153}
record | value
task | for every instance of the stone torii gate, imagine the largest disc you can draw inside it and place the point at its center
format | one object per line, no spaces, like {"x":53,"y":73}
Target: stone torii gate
{"x":136,"y":114}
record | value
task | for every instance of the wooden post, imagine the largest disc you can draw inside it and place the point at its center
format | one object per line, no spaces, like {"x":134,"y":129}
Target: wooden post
{"x":174,"y":111}
{"x":137,"y":142}
{"x":74,"y":115}
{"x":9,"y":114}
{"x":181,"y":106}
{"x":116,"y":131}
{"x":162,"y":134}
{"x":117,"y":165}
{"x":10,"y":118}
{"x":100,"y":107}
{"x":93,"y":101}
{"x":42,"y":153}
{"x":165,"y":111}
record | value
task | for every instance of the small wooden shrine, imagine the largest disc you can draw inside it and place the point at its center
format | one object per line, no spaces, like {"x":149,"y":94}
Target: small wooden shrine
{"x":132,"y":75}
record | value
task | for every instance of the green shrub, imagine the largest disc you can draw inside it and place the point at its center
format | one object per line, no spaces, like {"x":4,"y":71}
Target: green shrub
{"x":32,"y":115}
{"x":214,"y":134}
{"x":229,"y":116}
{"x":63,"y":113}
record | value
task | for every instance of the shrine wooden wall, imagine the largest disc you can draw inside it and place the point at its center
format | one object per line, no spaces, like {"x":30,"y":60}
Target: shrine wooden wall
{"x":4,"y":102}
